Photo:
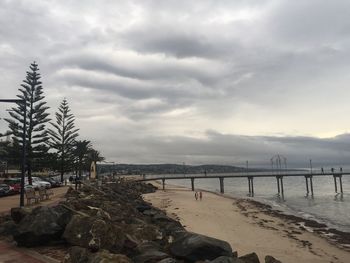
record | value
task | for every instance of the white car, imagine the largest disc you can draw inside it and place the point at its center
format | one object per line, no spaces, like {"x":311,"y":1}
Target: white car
{"x":37,"y":183}
{"x":41,"y":183}
{"x":34,"y":184}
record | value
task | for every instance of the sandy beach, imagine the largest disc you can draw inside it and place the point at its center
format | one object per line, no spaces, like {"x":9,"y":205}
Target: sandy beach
{"x":246,"y":227}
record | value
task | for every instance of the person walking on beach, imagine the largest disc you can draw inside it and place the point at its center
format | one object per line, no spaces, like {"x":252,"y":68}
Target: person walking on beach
{"x":196,"y":195}
{"x":200,"y":195}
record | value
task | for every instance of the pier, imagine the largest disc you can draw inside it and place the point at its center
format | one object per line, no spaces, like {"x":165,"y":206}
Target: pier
{"x":309,"y":177}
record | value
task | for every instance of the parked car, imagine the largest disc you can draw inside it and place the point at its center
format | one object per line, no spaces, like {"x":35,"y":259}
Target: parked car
{"x":4,"y":189}
{"x":54,"y":182}
{"x":35,"y":185}
{"x":41,"y":183}
{"x":14,"y":183}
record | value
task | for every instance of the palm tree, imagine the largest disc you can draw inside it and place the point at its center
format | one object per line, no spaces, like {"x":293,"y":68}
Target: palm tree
{"x":94,"y":156}
{"x":81,"y":150}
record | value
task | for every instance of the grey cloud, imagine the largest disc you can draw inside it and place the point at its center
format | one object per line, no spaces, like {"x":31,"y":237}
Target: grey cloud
{"x":310,"y":22}
{"x":236,"y":149}
{"x":125,"y":64}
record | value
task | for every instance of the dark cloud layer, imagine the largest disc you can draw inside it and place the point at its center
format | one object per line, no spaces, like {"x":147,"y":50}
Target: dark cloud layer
{"x":148,"y":79}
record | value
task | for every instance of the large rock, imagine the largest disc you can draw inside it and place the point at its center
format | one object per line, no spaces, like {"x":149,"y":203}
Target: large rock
{"x":149,"y":256}
{"x":224,"y":259}
{"x":77,"y":255}
{"x":271,"y":259}
{"x":82,"y":255}
{"x":94,"y":233}
{"x":8,"y":228}
{"x":42,"y":225}
{"x":104,"y":256}
{"x":167,"y":260}
{"x":250,"y":258}
{"x":18,"y":213}
{"x":194,"y":247}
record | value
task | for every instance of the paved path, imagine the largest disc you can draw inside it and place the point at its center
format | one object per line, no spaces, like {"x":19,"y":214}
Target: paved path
{"x":7,"y":202}
{"x":10,"y":253}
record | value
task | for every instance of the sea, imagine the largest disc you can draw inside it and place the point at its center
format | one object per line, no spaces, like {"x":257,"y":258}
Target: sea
{"x":325,"y":206}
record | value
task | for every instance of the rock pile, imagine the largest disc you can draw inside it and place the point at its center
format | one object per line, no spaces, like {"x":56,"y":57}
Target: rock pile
{"x":114,"y":224}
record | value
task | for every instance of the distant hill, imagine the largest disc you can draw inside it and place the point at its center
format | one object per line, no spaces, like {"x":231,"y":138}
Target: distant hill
{"x":171,"y":168}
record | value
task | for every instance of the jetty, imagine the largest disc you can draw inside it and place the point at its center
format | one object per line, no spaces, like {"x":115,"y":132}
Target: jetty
{"x":279,"y":175}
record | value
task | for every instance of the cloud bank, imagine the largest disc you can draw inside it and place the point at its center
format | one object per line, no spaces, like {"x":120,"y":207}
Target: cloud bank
{"x":194,"y":81}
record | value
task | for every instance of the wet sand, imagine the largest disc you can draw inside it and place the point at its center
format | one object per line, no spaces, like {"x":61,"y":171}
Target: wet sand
{"x":250,"y":226}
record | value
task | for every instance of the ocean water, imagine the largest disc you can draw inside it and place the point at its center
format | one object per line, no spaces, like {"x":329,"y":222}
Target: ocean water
{"x":325,"y":206}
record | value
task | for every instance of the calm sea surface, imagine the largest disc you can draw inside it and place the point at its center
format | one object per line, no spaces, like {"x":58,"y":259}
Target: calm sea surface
{"x":325,"y":207}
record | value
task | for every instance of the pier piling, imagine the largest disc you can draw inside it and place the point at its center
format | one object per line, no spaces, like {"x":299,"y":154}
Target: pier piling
{"x":192,"y":183}
{"x":341,"y":183}
{"x":221,"y":184}
{"x":163,"y":181}
{"x":307,"y":185}
{"x":335,"y":183}
{"x":282,"y":189}
{"x":278,"y":185}
{"x":251,"y":185}
{"x":311,"y":186}
{"x":250,"y":190}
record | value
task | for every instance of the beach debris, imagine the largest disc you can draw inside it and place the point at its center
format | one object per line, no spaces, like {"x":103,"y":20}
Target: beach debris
{"x":195,"y":247}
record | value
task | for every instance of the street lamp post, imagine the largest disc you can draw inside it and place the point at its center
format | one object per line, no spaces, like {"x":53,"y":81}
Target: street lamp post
{"x":21,"y":200}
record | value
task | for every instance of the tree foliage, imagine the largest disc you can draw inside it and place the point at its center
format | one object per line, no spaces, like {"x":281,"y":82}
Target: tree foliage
{"x":31,"y":92}
{"x":62,"y":137}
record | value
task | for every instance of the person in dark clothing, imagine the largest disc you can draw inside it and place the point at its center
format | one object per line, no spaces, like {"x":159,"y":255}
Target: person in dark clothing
{"x":77,"y":182}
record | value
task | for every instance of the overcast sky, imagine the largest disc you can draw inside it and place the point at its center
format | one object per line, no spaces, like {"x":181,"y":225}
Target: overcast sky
{"x":190,"y":81}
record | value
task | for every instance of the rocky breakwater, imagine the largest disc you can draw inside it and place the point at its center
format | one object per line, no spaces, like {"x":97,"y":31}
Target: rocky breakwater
{"x":114,"y":224}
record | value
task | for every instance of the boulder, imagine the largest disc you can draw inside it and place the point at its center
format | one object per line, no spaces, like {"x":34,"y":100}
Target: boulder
{"x":94,"y":233}
{"x":144,"y":232}
{"x":8,"y":228}
{"x":18,"y":213}
{"x":143,"y":207}
{"x":271,"y":259}
{"x":224,"y":259}
{"x":194,"y":247}
{"x":149,"y":256}
{"x":167,"y":260}
{"x":42,"y":225}
{"x":104,"y":256}
{"x":250,"y":258}
{"x":147,"y":245}
{"x":77,"y":255}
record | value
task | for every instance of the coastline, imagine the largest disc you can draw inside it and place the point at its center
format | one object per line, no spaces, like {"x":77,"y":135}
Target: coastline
{"x":252,"y":226}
